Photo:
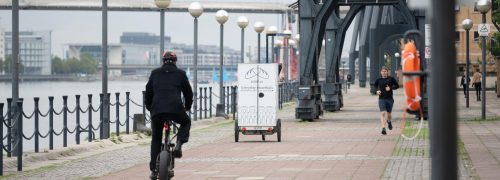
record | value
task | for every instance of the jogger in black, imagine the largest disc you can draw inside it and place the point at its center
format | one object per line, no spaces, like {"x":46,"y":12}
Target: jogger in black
{"x":385,"y":84}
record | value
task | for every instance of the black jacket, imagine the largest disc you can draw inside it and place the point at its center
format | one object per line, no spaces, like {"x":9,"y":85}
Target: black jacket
{"x":381,"y":83}
{"x":462,"y":81}
{"x":163,"y":91}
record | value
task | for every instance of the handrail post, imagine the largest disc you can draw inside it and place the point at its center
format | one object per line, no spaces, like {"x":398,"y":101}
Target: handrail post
{"x":90,"y":126}
{"x":9,"y":129}
{"x":37,"y":119}
{"x":127,"y":119}
{"x":19,"y":147}
{"x":51,"y":122}
{"x":210,"y":102}
{"x":1,"y":135}
{"x":65,"y":121}
{"x":117,"y":113}
{"x":201,"y":105}
{"x":101,"y":111}
{"x":77,"y":110}
{"x":205,"y":101}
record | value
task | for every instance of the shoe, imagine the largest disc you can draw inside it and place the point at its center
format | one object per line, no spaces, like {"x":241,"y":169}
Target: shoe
{"x":178,"y":150}
{"x":153,"y":175}
{"x":389,"y":124}
{"x":383,"y":131}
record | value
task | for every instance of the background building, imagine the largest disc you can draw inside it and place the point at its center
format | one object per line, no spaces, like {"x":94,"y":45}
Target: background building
{"x":467,"y":12}
{"x":142,"y":49}
{"x":34,"y":51}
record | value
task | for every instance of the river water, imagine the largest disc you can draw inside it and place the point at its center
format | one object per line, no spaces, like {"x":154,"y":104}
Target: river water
{"x":29,"y":90}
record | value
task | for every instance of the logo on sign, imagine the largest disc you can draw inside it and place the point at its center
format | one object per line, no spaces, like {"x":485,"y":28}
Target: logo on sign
{"x":427,"y":52}
{"x":257,"y":71}
{"x":483,"y":29}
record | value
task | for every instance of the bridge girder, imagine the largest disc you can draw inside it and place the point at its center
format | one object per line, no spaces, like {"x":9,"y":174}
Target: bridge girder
{"x":316,"y":22}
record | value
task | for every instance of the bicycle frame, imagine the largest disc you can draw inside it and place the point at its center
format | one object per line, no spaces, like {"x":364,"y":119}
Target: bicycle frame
{"x":168,"y":141}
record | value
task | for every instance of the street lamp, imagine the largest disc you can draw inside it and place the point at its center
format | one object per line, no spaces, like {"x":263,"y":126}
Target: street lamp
{"x":271,"y":31}
{"x":242,"y":23}
{"x":286,"y":38}
{"x":258,"y":27}
{"x":195,"y":9}
{"x":162,"y":4}
{"x":467,"y":25}
{"x":483,"y":6}
{"x":221,"y":16}
{"x":396,"y":63}
{"x":277,"y":44}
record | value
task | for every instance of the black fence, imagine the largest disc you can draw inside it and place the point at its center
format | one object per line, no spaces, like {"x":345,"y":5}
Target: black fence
{"x":15,"y":117}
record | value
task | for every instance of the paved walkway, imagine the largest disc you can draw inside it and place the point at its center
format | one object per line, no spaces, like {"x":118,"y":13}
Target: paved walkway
{"x":481,"y":138}
{"x":342,"y":145}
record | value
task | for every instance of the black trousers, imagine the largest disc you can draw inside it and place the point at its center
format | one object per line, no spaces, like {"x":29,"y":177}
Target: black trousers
{"x":465,"y":90}
{"x":157,"y":132}
{"x":477,"y":86}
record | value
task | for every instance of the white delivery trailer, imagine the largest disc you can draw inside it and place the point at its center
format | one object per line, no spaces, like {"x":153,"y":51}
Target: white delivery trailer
{"x":257,"y":101}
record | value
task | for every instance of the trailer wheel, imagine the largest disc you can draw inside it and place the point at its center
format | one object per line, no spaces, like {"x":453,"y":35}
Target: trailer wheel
{"x":236,"y":132}
{"x":278,"y":126}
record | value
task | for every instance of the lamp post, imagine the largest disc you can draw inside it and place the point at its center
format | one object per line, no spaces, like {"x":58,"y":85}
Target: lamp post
{"x":467,"y":25}
{"x":221,"y":16}
{"x":277,"y":44}
{"x":271,"y":31}
{"x":396,"y":64}
{"x":258,"y":27}
{"x":162,"y":4}
{"x":286,"y":36}
{"x":195,"y":9}
{"x":483,"y":6}
{"x":242,"y":23}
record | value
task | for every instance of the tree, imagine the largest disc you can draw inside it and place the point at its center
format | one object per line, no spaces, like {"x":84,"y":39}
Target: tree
{"x":59,"y":66}
{"x":85,"y":65}
{"x":7,"y":65}
{"x":1,"y":64}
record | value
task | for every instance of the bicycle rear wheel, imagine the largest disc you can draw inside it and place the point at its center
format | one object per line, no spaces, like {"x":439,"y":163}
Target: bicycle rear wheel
{"x":165,"y":170}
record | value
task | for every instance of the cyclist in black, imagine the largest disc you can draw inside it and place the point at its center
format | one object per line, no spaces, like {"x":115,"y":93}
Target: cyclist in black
{"x":163,"y":100}
{"x":385,"y":84}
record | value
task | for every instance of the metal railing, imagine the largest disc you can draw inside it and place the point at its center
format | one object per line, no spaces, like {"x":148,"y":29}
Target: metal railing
{"x":14,"y":118}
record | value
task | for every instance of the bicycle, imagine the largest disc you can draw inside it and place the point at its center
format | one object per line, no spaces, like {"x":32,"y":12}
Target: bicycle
{"x":165,"y":161}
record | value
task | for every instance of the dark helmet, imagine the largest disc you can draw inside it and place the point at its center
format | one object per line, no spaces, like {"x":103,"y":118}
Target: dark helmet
{"x":169,"y":56}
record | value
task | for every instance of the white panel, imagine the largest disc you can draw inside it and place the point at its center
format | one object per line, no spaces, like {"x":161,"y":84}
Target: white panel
{"x":253,"y":80}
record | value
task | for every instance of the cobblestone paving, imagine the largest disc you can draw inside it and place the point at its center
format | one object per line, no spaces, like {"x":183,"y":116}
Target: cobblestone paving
{"x":108,"y":162}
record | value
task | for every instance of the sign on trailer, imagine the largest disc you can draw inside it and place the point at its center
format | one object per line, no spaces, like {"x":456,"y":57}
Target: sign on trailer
{"x":257,"y":95}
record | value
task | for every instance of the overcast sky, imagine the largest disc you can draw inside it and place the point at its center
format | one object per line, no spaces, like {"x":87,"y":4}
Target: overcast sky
{"x":85,"y":27}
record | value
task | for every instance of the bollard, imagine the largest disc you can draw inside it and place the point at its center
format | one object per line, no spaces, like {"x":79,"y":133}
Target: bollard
{"x":101,"y":96}
{"x":205,"y":102}
{"x":117,"y":114}
{"x":1,"y":135}
{"x":127,"y":119}
{"x":201,"y":105}
{"x":77,"y":110}
{"x":90,"y":126}
{"x":210,"y":107}
{"x":51,"y":122}
{"x":9,"y":130}
{"x":65,"y":121}
{"x":19,"y":147}
{"x":37,"y":110}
